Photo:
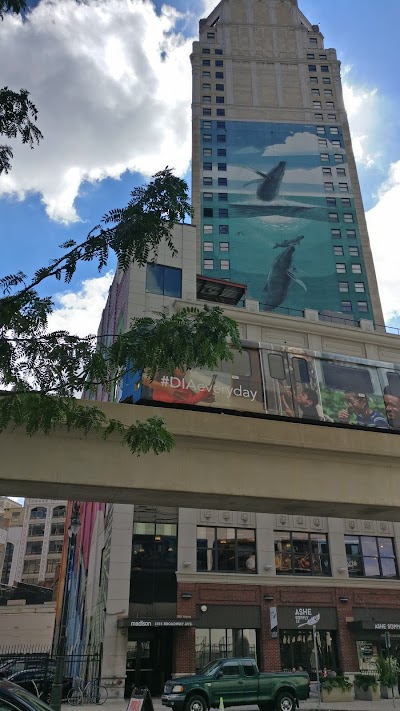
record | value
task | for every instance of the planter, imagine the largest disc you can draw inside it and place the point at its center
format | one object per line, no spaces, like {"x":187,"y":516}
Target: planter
{"x":367,"y":693}
{"x":388,"y":693}
{"x":337,"y":694}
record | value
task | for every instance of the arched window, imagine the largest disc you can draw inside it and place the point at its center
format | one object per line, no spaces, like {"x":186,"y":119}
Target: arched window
{"x":39,"y":512}
{"x":59,"y":512}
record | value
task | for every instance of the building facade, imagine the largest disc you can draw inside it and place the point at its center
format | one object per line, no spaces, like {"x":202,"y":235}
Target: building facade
{"x":41,"y":542}
{"x":281,"y":241}
{"x":11,"y":519}
{"x":274,"y":181}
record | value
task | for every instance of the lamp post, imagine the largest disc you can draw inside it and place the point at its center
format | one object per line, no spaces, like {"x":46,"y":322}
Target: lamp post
{"x":57,"y":688}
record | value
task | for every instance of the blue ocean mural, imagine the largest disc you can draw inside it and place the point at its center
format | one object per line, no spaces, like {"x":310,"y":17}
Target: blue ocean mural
{"x":286,"y":187}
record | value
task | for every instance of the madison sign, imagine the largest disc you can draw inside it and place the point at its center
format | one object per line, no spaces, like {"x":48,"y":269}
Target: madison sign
{"x":127,"y":622}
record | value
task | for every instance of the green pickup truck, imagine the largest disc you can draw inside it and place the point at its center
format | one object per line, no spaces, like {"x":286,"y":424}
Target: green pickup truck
{"x":239,"y":683}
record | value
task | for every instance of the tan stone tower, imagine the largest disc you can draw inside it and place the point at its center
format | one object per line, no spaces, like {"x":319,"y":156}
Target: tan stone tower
{"x":275,"y":188}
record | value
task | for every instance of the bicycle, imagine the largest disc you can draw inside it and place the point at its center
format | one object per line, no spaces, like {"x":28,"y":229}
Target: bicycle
{"x":92,"y":693}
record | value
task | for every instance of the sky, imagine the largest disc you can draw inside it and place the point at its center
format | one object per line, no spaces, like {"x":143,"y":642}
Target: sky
{"x":112,"y":83}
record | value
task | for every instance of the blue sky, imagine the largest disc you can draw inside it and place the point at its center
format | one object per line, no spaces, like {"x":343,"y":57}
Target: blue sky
{"x":111,"y":116}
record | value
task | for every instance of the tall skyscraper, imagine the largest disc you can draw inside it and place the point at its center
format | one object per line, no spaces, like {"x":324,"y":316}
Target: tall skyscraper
{"x":274,"y":183}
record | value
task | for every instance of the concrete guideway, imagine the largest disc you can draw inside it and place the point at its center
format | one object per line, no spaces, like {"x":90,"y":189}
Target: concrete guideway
{"x":219,"y":461}
{"x":310,"y":705}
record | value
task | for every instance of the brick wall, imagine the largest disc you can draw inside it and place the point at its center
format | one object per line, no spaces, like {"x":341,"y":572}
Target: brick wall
{"x":232,"y":594}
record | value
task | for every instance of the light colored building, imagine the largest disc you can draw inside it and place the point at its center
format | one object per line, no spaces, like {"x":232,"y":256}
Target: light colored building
{"x":41,"y":542}
{"x":26,"y":627}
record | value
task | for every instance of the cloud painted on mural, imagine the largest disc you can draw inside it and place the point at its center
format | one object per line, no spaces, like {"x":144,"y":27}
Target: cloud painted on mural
{"x":300,"y":143}
{"x":106,"y":103}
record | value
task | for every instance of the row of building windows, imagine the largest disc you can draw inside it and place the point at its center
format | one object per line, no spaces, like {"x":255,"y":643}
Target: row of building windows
{"x":32,"y":567}
{"x":222,"y":229}
{"x":209,"y":246}
{"x":224,"y":264}
{"x":209,"y":181}
{"x":35,"y":547}
{"x":207,"y":75}
{"x":209,"y":212}
{"x":338,"y":251}
{"x":310,"y":55}
{"x":347,"y":306}
{"x":336,"y":143}
{"x":342,"y":187}
{"x":337,"y":157}
{"x":222,"y":197}
{"x":359,"y":286}
{"x":329,"y":117}
{"x":218,"y":87}
{"x":340,"y":172}
{"x":37,"y":529}
{"x":316,"y":92}
{"x":334,"y":130}
{"x":218,"y":63}
{"x":218,"y":124}
{"x":207,"y":138}
{"x":209,"y":166}
{"x":346,"y":202}
{"x":207,"y":152}
{"x":41,"y":512}
{"x":220,"y":112}
{"x":233,"y":550}
{"x":336,"y":233}
{"x":207,"y":50}
{"x":315,"y":80}
{"x":342,"y":269}
{"x":328,"y":105}
{"x":347,"y":217}
{"x":218,"y":99}
{"x":323,"y":68}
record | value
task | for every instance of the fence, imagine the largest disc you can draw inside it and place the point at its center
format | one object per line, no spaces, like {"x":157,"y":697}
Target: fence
{"x":36,"y":663}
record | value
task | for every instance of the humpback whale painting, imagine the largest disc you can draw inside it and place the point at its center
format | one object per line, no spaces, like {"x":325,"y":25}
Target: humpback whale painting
{"x":280,"y":275}
{"x":269,"y":183}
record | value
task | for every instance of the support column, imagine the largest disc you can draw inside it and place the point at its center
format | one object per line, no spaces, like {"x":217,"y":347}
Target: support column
{"x":113,"y":670}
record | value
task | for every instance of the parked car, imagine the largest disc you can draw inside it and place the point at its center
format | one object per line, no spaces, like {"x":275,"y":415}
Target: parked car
{"x":39,"y":682}
{"x":239,"y":683}
{"x":28,"y":661}
{"x":15,"y":698}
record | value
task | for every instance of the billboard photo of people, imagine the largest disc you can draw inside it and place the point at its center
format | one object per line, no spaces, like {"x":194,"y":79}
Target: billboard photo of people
{"x":234,"y":385}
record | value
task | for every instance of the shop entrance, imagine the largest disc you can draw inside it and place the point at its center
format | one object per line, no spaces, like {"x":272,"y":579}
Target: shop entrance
{"x":148,"y":660}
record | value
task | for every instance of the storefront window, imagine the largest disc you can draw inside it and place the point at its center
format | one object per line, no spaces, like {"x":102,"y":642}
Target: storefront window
{"x":297,"y":650}
{"x":227,"y":550}
{"x":370,"y":557}
{"x":301,"y":553}
{"x":214,"y":644}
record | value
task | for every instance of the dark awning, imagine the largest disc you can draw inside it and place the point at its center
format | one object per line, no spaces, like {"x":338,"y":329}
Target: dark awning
{"x":219,"y":290}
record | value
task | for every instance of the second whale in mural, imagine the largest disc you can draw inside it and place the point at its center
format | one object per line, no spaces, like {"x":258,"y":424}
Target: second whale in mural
{"x":279,"y":277}
{"x":269,"y":183}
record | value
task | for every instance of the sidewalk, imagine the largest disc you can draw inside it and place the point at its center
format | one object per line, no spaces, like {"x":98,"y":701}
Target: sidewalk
{"x":310,"y":705}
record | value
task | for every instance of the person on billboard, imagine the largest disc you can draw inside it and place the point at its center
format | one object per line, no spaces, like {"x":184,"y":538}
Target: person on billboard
{"x":392,"y":405}
{"x":307,"y":400}
{"x":358,"y":405}
{"x":175,"y":389}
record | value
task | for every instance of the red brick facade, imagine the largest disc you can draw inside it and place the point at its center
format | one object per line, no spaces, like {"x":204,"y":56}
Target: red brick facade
{"x":234,"y":594}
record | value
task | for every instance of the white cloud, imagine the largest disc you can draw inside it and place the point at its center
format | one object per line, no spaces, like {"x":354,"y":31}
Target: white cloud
{"x":301,"y":143}
{"x":364,"y":111}
{"x":107,"y":96}
{"x":80,"y":312}
{"x":383,"y":232}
